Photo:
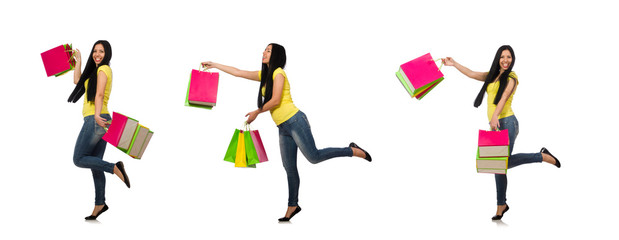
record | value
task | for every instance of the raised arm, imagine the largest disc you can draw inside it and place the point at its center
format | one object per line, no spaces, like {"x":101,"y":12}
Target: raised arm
{"x":480,"y":76}
{"x":77,"y":72}
{"x":251,"y":75}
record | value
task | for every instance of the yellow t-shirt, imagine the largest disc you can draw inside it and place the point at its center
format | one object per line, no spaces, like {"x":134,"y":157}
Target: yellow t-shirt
{"x":286,"y":108}
{"x":492,"y":90}
{"x":89,"y":107}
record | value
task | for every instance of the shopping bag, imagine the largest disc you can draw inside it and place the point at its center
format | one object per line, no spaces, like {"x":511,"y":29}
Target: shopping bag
{"x":115,"y":130}
{"x":202,"y":89}
{"x":127,"y":135}
{"x":496,"y":165}
{"x":140,"y":140}
{"x":242,"y":148}
{"x":58,"y":61}
{"x":241,"y":158}
{"x":492,"y":152}
{"x":419,"y":76}
{"x":493,"y":143}
{"x":250,"y":150}
{"x":231,"y":152}
{"x":262,"y":155}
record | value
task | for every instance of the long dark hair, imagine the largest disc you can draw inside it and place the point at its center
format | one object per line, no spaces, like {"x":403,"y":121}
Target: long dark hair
{"x":90,"y":72}
{"x":278,"y":60}
{"x":495,"y":70}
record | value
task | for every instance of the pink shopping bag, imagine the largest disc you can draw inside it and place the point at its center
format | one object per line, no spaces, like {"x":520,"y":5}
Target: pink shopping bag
{"x":262,"y":154}
{"x":58,"y":61}
{"x":203,"y":88}
{"x":114,"y":132}
{"x":493,"y":144}
{"x":493,"y":138}
{"x":420,"y":75}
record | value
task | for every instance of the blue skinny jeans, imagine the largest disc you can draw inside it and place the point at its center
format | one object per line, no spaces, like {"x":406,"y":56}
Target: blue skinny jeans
{"x":511,"y":123}
{"x":88,"y":153}
{"x":295,"y":133}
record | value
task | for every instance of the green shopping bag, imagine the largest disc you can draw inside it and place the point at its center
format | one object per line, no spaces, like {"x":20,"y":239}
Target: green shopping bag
{"x":250,"y":149}
{"x":231,"y":152}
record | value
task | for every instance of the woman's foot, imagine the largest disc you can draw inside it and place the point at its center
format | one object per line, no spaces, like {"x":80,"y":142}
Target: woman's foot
{"x":359,"y":152}
{"x":549,"y":158}
{"x":97,"y":211}
{"x":500,"y":210}
{"x":119,"y":170}
{"x":290,"y":213}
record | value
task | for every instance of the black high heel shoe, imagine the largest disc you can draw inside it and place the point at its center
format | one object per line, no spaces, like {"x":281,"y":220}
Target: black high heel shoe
{"x":94,"y":217}
{"x":286,"y":219}
{"x":557,"y":163}
{"x":367,"y":155}
{"x":121,"y":167}
{"x":498,"y":217}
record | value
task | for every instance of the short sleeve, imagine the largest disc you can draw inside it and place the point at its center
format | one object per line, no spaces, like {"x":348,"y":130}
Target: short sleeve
{"x":514,"y":76}
{"x":106,"y":69}
{"x":278,"y":71}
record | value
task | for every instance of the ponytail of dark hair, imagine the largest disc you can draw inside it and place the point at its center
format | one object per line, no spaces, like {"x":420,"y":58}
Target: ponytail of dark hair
{"x":495,"y":70}
{"x":278,"y":60}
{"x":90,"y":72}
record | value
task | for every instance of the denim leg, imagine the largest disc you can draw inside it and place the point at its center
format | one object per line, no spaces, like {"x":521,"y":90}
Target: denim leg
{"x":288,"y":150}
{"x":87,"y":141}
{"x":295,"y":133}
{"x":302,"y":134}
{"x":511,"y":123}
{"x":501,"y":188}
{"x":523,"y":158}
{"x":99,"y":176}
{"x":88,"y":153}
{"x":99,"y":179}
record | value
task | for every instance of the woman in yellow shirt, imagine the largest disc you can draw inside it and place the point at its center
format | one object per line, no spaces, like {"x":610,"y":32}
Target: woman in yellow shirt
{"x":294,"y":129}
{"x":500,"y":83}
{"x":96,"y":83}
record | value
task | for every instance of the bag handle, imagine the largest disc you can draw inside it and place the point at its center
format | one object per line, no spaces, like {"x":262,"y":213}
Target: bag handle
{"x":246,"y":126}
{"x":107,"y":124}
{"x":203,"y":69}
{"x":72,"y":56}
{"x":439,"y":59}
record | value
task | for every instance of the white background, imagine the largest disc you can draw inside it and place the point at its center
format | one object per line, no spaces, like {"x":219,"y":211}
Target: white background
{"x":342,"y":58}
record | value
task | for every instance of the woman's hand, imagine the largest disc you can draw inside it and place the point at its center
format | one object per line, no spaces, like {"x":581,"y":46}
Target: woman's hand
{"x":77,"y":71}
{"x":251,"y":116}
{"x":78,"y":57}
{"x":208,"y":65}
{"x":494,"y":124}
{"x":448,"y":61}
{"x":100,"y":121}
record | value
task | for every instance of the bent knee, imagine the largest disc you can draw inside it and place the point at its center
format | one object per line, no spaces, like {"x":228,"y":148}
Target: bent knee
{"x":77,"y":161}
{"x":314,"y":160}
